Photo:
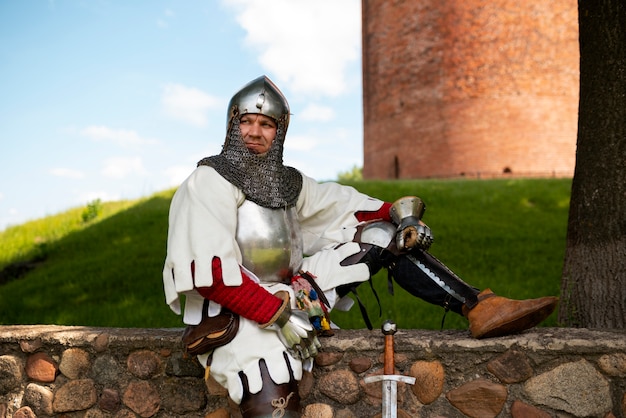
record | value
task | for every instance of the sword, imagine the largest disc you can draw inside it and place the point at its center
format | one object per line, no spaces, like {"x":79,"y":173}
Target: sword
{"x":390,"y":380}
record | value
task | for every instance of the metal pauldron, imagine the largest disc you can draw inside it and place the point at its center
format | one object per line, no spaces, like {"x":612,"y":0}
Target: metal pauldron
{"x":270,"y":241}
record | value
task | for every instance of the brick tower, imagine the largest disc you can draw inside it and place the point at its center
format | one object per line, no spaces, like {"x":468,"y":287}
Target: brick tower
{"x":476,"y":88}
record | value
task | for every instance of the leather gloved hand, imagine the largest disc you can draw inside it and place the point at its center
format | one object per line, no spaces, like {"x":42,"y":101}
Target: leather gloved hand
{"x":407,"y":213}
{"x":294,"y":329}
{"x":417,"y":235}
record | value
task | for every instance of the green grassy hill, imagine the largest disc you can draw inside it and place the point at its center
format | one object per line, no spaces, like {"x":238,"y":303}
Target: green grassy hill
{"x":70,"y":269}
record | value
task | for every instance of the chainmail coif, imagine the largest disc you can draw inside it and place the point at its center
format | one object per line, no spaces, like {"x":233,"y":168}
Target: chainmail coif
{"x":262,"y":178}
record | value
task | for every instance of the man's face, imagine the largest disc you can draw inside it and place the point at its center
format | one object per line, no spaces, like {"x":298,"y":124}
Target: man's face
{"x":258,"y":132}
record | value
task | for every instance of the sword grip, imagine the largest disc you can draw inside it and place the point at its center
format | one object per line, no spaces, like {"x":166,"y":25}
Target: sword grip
{"x":389,"y":328}
{"x":388,"y":364}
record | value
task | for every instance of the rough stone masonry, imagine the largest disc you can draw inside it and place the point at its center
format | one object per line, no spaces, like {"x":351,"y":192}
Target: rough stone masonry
{"x":55,"y":371}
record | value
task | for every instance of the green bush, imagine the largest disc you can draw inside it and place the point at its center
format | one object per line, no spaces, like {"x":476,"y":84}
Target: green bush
{"x":355,"y":174}
{"x":92,"y":211}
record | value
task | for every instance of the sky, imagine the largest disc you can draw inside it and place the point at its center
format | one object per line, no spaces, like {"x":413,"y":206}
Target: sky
{"x":118,"y":99}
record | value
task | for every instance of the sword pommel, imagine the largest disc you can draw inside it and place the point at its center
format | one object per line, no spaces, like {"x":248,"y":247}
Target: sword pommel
{"x":389,"y":327}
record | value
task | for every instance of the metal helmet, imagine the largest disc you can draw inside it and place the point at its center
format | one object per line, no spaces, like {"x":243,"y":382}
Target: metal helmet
{"x":259,"y":96}
{"x":262,"y":177}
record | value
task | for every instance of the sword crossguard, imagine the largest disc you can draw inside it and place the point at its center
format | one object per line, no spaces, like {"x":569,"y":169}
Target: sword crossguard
{"x":389,"y":378}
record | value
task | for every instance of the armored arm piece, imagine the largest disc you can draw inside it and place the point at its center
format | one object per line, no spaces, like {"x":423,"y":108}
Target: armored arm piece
{"x":294,"y":329}
{"x":407,"y":213}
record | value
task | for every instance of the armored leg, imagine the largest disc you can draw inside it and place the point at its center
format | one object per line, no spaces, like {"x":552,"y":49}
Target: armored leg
{"x":272,"y":400}
{"x":422,"y":275}
{"x":418,"y":272}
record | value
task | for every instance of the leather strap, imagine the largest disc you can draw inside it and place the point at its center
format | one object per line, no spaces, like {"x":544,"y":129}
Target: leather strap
{"x":273,"y":400}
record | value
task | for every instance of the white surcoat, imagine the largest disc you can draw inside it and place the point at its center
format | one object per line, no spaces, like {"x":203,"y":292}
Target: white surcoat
{"x":203,"y":224}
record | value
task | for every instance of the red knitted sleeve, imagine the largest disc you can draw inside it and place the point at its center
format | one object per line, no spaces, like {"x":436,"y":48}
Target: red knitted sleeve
{"x":382,"y":213}
{"x":249,"y":299}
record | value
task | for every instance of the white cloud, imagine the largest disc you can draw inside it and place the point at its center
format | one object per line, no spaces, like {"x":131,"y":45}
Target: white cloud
{"x":315,"y":112}
{"x":187,"y":104}
{"x":328,"y":145}
{"x":177,"y":174}
{"x":121,"y":137}
{"x":91,"y":196}
{"x":1,"y":196}
{"x":307,"y":44}
{"x":122,"y":167}
{"x":301,"y":142}
{"x":67,"y":173}
{"x":163,"y":22}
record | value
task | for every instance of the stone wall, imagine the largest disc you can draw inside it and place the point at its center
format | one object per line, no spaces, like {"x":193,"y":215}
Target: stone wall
{"x":476,"y":88}
{"x":110,"y":372}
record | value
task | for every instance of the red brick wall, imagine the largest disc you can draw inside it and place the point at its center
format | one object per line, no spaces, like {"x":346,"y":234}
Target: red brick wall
{"x":469,"y":87}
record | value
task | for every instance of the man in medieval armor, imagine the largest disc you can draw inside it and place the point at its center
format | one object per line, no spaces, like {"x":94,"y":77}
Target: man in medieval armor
{"x":276,"y":250}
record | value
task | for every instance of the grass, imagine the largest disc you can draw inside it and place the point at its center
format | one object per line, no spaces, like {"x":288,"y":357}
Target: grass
{"x":505,"y":234}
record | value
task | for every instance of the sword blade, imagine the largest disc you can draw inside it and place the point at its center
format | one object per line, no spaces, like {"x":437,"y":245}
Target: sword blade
{"x":390,"y":399}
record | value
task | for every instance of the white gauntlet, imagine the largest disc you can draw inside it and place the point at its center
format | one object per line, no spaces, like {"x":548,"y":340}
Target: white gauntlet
{"x":294,"y":329}
{"x":407,"y":212}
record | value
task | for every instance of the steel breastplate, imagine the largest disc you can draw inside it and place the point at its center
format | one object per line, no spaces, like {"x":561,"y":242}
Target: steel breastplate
{"x":270,"y":241}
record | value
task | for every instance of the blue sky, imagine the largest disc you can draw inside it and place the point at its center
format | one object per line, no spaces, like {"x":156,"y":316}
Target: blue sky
{"x":118,"y":99}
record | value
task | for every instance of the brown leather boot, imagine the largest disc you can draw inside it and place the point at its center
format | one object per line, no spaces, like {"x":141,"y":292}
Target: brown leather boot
{"x":495,"y":316}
